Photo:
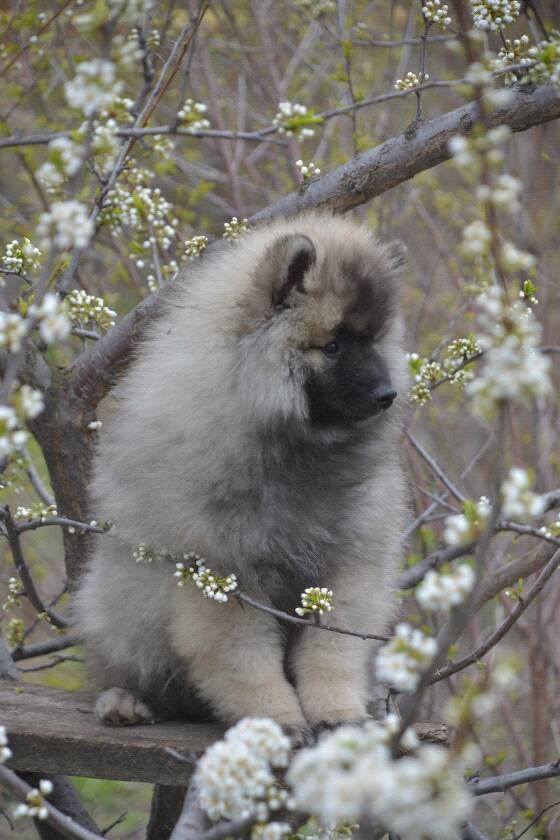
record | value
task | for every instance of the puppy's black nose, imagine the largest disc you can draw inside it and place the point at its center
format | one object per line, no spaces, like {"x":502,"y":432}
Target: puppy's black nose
{"x":385,"y":395}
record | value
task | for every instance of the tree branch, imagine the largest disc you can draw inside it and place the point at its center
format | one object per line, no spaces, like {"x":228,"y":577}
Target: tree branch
{"x":499,"y":784}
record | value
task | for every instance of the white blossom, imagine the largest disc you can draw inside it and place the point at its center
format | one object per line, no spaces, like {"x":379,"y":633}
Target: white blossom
{"x":234,"y":228}
{"x":195,"y":246}
{"x":518,"y":500}
{"x":411,"y":81}
{"x":494,"y":14}
{"x":65,"y":159}
{"x":464,"y":528}
{"x":191,"y":116}
{"x":21,"y":257}
{"x":13,"y":330}
{"x":211,"y":585}
{"x":292,"y":118}
{"x":401,"y":661}
{"x":35,"y":806}
{"x":546,"y":58}
{"x":53,"y":323}
{"x":66,"y":225}
{"x":5,"y":751}
{"x":476,"y":238}
{"x":11,"y":437}
{"x":436,"y":12}
{"x":31,"y":400}
{"x":513,"y":368}
{"x":308,"y":170}
{"x":350,"y":775}
{"x":315,"y":600}
{"x":93,"y":87}
{"x":236,"y":775}
{"x":443,"y":590}
{"x":88,"y":311}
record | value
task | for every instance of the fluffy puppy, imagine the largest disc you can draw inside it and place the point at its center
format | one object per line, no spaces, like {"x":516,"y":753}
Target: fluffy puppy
{"x":256,"y":427}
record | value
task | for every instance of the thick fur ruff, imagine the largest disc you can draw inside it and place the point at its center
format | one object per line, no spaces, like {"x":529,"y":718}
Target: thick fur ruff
{"x":211,"y":449}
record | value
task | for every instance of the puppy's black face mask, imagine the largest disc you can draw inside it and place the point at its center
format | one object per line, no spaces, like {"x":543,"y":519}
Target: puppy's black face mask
{"x":353,"y":384}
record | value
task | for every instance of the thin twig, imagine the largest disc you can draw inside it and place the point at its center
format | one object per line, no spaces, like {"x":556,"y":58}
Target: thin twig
{"x":293,"y":619}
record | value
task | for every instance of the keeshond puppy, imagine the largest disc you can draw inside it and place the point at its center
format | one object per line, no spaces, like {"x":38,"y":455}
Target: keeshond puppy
{"x":256,"y":427}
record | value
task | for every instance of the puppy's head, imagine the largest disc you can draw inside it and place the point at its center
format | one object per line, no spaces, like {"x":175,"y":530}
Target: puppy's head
{"x":333,"y":305}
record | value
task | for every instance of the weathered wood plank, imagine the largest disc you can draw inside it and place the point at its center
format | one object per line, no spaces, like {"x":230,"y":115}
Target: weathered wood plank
{"x":56,"y":732}
{"x":53,"y":731}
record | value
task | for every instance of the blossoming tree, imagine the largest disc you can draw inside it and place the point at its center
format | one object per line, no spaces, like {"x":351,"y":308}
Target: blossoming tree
{"x":135,"y":132}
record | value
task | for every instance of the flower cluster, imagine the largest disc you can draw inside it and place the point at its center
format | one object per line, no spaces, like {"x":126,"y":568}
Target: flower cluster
{"x":427,"y":372}
{"x":401,"y":661}
{"x":464,"y":528}
{"x":234,"y":228}
{"x":135,"y":205}
{"x":295,"y":119}
{"x":494,"y":14}
{"x":411,"y":81}
{"x":315,"y":600}
{"x":93,"y":87}
{"x":513,"y":366}
{"x":309,"y":172}
{"x":38,"y":512}
{"x":22,"y":258}
{"x":190,"y":116}
{"x":350,"y":775}
{"x":52,"y":321}
{"x":66,"y":225}
{"x":205,"y":579}
{"x":436,"y":12}
{"x":513,"y":52}
{"x":446,"y":589}
{"x":65,"y":159}
{"x":5,"y":751}
{"x":28,"y":401}
{"x":15,"y":632}
{"x":35,"y":799}
{"x":518,"y":500}
{"x":546,"y":56}
{"x":132,"y":10}
{"x":236,"y":777}
{"x":194,"y":247}
{"x":13,"y":329}
{"x":12,"y":438}
{"x":15,"y":591}
{"x":480,"y":153}
{"x":88,"y":311}
{"x":143,"y":553}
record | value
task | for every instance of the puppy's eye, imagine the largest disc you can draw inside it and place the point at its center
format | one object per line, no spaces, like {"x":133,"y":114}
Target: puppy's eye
{"x":331,"y":349}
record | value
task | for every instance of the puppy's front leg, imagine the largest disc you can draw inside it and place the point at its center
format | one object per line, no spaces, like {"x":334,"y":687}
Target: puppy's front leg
{"x":333,"y":671}
{"x":234,"y":657}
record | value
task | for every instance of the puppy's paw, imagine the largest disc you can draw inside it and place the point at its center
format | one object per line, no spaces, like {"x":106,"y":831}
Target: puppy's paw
{"x":119,"y":707}
{"x":300,"y":735}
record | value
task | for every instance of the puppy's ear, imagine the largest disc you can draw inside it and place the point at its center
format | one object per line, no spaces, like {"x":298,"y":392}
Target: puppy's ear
{"x":288,"y":260}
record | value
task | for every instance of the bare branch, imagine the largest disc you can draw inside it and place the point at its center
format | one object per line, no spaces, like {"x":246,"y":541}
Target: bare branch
{"x":499,"y":784}
{"x":44,"y":648}
{"x":505,"y":626}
